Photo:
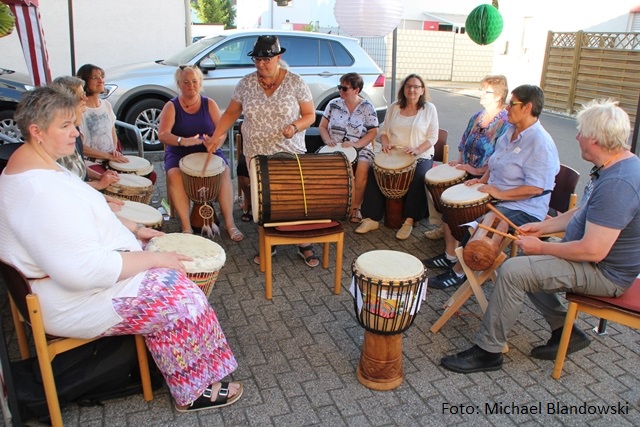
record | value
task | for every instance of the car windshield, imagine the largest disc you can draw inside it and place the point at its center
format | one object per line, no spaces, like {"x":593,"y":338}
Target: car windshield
{"x":186,"y":55}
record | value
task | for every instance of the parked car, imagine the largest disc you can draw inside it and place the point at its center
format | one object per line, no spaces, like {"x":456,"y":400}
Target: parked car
{"x":138,"y":92}
{"x":12,"y":86}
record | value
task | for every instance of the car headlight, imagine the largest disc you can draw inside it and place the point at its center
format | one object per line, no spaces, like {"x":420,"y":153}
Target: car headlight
{"x":29,"y":87}
{"x":108,"y":90}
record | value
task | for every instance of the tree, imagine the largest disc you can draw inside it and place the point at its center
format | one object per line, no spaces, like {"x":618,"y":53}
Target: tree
{"x":216,"y":12}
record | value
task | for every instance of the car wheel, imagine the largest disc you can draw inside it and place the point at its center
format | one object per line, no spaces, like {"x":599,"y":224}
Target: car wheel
{"x":8,"y":126}
{"x":145,"y":115}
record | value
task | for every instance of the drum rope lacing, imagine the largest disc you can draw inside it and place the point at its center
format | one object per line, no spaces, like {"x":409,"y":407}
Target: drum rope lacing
{"x":304,"y":193}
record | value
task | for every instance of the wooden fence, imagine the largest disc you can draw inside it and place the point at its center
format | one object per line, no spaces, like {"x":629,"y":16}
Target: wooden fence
{"x":579,"y":67}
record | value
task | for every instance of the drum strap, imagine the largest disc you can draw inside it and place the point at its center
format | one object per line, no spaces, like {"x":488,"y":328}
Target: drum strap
{"x":304,"y":193}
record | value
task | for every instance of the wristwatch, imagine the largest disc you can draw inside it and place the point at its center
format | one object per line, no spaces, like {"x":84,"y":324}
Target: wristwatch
{"x":295,"y":128}
{"x":179,"y":141}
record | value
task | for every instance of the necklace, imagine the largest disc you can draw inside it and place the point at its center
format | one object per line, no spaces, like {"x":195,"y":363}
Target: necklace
{"x":268,"y":86}
{"x":595,"y":171}
{"x":185,"y":105}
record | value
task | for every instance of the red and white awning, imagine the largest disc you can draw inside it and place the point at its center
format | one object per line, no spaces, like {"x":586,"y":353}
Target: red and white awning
{"x":31,"y":36}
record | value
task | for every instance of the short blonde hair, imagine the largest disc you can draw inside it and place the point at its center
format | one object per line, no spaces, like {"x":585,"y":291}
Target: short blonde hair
{"x":499,"y":85}
{"x":607,"y":123}
{"x":194,"y":68}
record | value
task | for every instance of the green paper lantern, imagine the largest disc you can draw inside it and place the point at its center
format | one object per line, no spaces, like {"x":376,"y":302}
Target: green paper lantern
{"x":484,"y":24}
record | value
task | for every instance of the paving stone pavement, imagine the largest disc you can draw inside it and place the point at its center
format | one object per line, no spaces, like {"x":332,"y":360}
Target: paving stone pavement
{"x":298,"y":354}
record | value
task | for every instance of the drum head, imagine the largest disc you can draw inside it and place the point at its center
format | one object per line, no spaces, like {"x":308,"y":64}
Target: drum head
{"x":388,"y":266}
{"x":350,"y":152}
{"x":443,"y":173}
{"x":463,"y":194}
{"x":396,"y":159}
{"x":135,"y":165}
{"x":139,"y":212}
{"x":207,"y":256}
{"x":132,"y":180}
{"x":192,"y":165}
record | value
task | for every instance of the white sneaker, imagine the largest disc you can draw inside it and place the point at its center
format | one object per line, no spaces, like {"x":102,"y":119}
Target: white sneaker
{"x":435,"y":234}
{"x":404,"y":232}
{"x":367,"y":225}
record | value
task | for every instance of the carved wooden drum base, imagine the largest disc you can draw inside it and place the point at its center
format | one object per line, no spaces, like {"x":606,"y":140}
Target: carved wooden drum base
{"x":380,"y":366}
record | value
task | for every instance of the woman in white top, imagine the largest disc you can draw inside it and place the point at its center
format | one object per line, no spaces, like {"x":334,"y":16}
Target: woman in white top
{"x":411,"y":124}
{"x":98,"y":121}
{"x":88,"y":268}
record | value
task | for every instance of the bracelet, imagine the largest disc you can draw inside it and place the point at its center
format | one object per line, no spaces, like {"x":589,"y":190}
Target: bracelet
{"x":139,"y":226}
{"x":295,"y":127}
{"x":179,"y":141}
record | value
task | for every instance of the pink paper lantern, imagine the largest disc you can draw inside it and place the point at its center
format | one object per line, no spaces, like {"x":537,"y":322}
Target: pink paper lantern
{"x":368,"y":18}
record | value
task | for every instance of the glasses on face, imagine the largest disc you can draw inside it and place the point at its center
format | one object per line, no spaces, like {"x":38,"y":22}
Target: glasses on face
{"x":265,"y":60}
{"x":343,"y":88}
{"x":186,"y":67}
{"x":483,"y":90}
{"x":512,"y":103}
{"x":96,"y":78}
{"x":414,"y":87}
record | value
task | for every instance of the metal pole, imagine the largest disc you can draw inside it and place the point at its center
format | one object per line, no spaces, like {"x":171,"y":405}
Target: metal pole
{"x":394,"y":56}
{"x":187,"y":22}
{"x":635,"y":139}
{"x":72,"y":46}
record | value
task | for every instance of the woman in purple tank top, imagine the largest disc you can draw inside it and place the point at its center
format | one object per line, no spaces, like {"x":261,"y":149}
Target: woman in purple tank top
{"x":186,"y":122}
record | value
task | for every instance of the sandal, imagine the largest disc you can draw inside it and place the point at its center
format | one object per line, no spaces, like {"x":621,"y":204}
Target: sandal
{"x":256,"y":258}
{"x":236,"y":235}
{"x":356,"y":215}
{"x":247,"y":216}
{"x":222,"y":399}
{"x":308,"y":259}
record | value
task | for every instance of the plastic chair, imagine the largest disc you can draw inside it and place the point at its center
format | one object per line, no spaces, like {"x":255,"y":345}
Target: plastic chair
{"x":441,"y":149}
{"x":25,"y":308}
{"x":624,"y":310}
{"x":271,"y":236}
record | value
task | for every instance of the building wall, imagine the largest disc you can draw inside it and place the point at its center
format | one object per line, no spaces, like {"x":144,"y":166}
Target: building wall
{"x":107,"y":33}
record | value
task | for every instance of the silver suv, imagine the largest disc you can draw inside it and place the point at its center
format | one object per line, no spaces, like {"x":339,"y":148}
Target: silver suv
{"x":139,"y":91}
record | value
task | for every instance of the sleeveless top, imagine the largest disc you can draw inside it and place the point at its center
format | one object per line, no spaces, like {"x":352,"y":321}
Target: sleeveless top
{"x":187,"y":125}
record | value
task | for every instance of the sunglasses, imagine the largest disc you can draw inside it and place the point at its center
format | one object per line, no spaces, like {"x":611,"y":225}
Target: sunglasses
{"x":512,"y":103}
{"x":343,"y":88}
{"x":265,"y":59}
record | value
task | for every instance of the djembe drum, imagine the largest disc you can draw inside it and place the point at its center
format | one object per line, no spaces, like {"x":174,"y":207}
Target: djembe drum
{"x":208,"y":257}
{"x":350,"y":152}
{"x":136,"y":165}
{"x":131,"y":187}
{"x":303,"y":187}
{"x":142,"y":213}
{"x":462,"y":204}
{"x":394,"y":172}
{"x":388,"y":289}
{"x":483,"y":248}
{"x":439,"y":178}
{"x":202,"y":187}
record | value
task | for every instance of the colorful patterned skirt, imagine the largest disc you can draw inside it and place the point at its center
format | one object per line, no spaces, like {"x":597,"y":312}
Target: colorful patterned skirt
{"x":181,"y":332}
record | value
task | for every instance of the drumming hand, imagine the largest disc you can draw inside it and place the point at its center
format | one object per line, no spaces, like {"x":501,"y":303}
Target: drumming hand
{"x":492,"y":190}
{"x":534,"y":229}
{"x":108,"y":178}
{"x":454,"y":163}
{"x":191,"y":141}
{"x":472,"y":181}
{"x":530,"y":245}
{"x":117,"y":156}
{"x":463,"y":167}
{"x":387,"y":147}
{"x":146,"y":233}
{"x":331,"y":143}
{"x":347,"y":144}
{"x":172,"y":260}
{"x":115,"y":204}
{"x":412,"y":151}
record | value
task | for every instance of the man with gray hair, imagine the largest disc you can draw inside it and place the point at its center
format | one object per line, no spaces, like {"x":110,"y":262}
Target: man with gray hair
{"x":599,"y":254}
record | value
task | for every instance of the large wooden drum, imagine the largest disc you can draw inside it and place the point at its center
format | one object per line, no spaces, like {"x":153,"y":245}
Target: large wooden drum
{"x":286,"y":187}
{"x":208,"y":257}
{"x":462,"y":204}
{"x":389,"y":286}
{"x":439,"y":178}
{"x":131,"y":187}
{"x":142,"y":213}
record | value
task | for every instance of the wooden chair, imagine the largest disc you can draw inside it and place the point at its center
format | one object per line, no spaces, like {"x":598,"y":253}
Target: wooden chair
{"x":441,"y":149}
{"x":272,"y":236}
{"x":25,"y":308}
{"x":624,"y":310}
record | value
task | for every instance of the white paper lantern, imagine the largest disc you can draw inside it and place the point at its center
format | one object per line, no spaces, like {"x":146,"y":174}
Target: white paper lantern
{"x":368,"y":18}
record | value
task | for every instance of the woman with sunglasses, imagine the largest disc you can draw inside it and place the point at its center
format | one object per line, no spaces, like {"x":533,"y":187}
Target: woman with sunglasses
{"x":412,"y":125}
{"x":186,"y":122}
{"x":277,"y":106}
{"x":520,"y":175}
{"x":352,"y":121}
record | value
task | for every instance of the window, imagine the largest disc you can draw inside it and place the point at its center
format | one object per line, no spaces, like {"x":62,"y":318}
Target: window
{"x":233,"y":54}
{"x":301,"y":51}
{"x":342,"y":56}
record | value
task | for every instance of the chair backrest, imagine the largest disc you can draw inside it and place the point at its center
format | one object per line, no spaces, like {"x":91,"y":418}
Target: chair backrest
{"x":439,"y":148}
{"x":566,"y":182}
{"x":18,"y":287}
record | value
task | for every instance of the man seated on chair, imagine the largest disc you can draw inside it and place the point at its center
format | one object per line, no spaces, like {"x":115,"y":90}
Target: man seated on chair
{"x":599,"y":254}
{"x":521,"y":173}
